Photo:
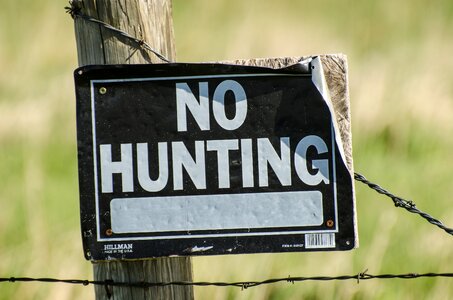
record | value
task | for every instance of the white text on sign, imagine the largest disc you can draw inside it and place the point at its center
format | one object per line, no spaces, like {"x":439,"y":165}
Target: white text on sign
{"x":133,"y":165}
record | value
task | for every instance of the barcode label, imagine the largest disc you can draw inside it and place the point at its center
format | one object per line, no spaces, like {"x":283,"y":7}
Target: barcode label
{"x":319,"y":240}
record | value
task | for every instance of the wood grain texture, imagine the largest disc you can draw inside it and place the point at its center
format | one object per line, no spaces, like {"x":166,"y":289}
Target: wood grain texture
{"x":150,"y":270}
{"x":152,"y":22}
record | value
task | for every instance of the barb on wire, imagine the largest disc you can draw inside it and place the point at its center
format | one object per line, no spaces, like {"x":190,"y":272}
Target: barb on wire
{"x":75,"y":10}
{"x":400,"y":202}
{"x":241,"y":284}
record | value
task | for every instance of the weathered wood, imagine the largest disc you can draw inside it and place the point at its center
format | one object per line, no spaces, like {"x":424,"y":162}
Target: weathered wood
{"x":152,"y":22}
{"x":150,"y":270}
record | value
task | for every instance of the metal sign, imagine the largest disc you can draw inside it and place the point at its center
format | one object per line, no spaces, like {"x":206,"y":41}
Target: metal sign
{"x":200,"y":159}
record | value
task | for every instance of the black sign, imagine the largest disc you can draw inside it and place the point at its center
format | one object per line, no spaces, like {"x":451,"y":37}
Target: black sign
{"x":200,"y":159}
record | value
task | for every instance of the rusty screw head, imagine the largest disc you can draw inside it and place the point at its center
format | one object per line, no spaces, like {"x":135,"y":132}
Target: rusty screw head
{"x":102,"y":90}
{"x":109,"y":232}
{"x":329,"y":223}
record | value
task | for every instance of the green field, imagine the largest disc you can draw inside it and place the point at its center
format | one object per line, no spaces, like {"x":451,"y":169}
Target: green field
{"x":401,"y":90}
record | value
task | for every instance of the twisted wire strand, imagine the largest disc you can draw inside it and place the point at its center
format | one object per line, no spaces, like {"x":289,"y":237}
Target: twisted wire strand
{"x":240,"y":284}
{"x":400,"y":202}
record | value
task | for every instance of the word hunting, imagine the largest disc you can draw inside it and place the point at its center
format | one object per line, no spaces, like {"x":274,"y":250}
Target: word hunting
{"x":159,"y":165}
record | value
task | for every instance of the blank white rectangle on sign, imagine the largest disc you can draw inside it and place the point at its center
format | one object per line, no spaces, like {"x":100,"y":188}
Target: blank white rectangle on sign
{"x":215,"y":212}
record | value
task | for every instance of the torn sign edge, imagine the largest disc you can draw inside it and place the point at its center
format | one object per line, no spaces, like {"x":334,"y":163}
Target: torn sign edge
{"x":320,"y":82}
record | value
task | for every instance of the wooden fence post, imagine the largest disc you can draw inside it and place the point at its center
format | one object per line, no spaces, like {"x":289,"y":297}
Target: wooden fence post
{"x":150,"y":21}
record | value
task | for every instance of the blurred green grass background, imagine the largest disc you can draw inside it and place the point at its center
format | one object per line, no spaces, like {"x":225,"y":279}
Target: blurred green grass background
{"x":401,"y":89}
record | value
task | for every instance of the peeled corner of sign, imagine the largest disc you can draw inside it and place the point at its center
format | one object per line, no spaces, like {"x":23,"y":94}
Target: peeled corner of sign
{"x":320,"y":82}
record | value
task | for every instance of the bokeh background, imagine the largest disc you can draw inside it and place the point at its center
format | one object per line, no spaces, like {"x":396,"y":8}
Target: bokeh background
{"x":401,"y":90}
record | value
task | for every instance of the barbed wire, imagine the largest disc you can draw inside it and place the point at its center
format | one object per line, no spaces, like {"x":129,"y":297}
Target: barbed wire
{"x":75,"y":10}
{"x":239,"y":284}
{"x":400,"y":202}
